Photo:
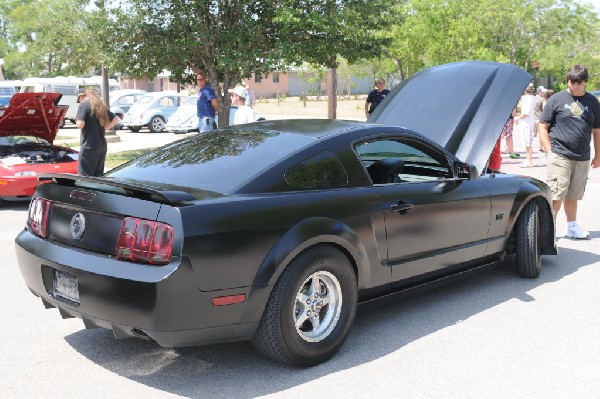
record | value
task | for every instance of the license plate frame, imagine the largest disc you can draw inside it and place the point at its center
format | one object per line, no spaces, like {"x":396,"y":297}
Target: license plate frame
{"x":66,"y":286}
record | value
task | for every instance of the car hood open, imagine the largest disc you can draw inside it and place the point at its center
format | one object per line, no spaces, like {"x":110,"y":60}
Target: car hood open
{"x":32,"y":114}
{"x":462,"y":106}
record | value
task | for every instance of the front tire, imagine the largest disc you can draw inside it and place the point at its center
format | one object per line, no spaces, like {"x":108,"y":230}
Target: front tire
{"x":529,"y":259}
{"x":134,"y":129}
{"x":310,"y":310}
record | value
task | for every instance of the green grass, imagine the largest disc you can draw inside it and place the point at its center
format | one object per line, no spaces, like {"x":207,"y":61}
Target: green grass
{"x":66,"y":141}
{"x":117,"y":158}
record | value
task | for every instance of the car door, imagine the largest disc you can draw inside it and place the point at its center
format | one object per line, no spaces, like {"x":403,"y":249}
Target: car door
{"x":433,"y":220}
{"x":168,"y":106}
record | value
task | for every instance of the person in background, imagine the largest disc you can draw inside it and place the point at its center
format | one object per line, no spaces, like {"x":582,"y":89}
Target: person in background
{"x":250,"y":96}
{"x":569,"y":122}
{"x":540,"y":98}
{"x":549,"y":93}
{"x":507,"y":135}
{"x":525,"y":122}
{"x":495,"y":161}
{"x":244,"y":113}
{"x":93,"y":118}
{"x":207,"y":105}
{"x":375,"y":97}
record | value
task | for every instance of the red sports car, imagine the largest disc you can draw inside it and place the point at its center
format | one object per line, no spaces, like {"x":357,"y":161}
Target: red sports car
{"x":28,"y":126}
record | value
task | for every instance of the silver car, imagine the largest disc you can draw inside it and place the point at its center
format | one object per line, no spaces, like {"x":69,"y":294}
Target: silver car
{"x":152,"y":111}
{"x":121,"y":100}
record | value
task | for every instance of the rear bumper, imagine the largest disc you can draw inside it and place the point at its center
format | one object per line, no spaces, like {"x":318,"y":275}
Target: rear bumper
{"x":133,"y":300}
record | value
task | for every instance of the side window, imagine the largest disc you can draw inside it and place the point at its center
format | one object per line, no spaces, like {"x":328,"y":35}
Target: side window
{"x":166,"y":102}
{"x":126,"y":100}
{"x":402,"y":160}
{"x":65,"y":89}
{"x":324,"y":170}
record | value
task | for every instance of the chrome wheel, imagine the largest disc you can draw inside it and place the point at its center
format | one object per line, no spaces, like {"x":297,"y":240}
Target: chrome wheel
{"x":310,"y":309}
{"x":318,"y":306}
{"x":157,"y":124}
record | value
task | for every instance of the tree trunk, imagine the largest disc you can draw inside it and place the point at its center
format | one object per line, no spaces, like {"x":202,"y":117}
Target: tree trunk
{"x":331,"y":93}
{"x":110,"y":134}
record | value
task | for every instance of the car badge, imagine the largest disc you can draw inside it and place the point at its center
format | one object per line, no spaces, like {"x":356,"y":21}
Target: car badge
{"x":77,"y":226}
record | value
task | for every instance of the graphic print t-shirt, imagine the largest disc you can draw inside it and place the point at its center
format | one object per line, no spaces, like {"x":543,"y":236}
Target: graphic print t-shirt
{"x":571,"y":120}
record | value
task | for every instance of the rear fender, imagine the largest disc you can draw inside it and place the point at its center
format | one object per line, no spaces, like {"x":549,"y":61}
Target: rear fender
{"x":310,"y":232}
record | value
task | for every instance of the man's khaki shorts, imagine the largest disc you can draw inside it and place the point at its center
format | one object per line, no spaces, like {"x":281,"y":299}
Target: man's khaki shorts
{"x":567,"y":178}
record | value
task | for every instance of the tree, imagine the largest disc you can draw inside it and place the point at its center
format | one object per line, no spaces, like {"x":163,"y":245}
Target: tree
{"x":49,"y":38}
{"x":230,"y":40}
{"x":225,"y":40}
{"x":317,"y":31}
{"x":548,"y":33}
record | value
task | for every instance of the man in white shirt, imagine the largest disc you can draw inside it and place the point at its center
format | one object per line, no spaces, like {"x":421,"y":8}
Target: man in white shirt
{"x":250,"y":96}
{"x":525,"y":122}
{"x":244,"y":113}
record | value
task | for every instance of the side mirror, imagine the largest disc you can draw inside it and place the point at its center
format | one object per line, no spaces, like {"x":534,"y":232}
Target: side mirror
{"x":465,"y":171}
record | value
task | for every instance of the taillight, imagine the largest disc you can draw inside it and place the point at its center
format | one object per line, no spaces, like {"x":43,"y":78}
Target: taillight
{"x":37,"y":219}
{"x":142,"y":240}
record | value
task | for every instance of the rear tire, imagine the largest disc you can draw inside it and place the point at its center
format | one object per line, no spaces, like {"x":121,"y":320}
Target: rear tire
{"x":310,"y":310}
{"x":134,"y":129}
{"x":157,"y":124}
{"x":529,"y":259}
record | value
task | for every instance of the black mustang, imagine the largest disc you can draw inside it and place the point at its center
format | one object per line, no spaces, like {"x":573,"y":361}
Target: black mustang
{"x":275,"y":231}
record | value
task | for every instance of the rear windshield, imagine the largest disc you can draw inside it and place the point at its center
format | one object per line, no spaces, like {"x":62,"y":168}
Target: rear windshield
{"x":219,"y":161}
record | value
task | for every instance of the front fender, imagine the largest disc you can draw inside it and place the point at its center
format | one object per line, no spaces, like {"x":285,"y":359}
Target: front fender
{"x":538,"y":191}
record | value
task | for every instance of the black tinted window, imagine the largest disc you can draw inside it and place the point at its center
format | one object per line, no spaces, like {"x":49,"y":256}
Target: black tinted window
{"x":321,"y":171}
{"x":419,"y":162}
{"x":218,"y":161}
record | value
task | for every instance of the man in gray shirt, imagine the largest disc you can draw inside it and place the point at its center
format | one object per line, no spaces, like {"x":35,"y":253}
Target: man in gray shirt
{"x":568,"y":122}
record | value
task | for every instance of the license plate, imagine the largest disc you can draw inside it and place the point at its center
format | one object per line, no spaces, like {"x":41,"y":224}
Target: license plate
{"x":65,"y":286}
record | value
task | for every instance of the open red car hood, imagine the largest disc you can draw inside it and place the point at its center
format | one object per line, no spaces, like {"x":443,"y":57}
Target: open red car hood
{"x":32,"y":114}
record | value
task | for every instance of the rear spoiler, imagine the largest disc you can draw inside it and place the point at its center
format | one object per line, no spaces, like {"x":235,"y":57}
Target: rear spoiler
{"x":132,"y":190}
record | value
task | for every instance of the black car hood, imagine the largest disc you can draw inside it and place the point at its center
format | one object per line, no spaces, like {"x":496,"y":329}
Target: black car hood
{"x":32,"y":114}
{"x":462,"y":106}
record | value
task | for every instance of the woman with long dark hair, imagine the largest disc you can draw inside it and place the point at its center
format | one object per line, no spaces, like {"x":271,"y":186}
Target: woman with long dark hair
{"x":93,"y":118}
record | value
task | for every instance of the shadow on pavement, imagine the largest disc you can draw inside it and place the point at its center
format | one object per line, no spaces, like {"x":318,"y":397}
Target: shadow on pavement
{"x":14,"y":205}
{"x":235,"y":369}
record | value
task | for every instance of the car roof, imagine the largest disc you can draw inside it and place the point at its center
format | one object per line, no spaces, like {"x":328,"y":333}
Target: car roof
{"x":164,"y":93}
{"x":123,"y":92}
{"x":316,"y":128}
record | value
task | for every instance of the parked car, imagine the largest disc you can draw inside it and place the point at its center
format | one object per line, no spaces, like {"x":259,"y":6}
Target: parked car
{"x":152,"y":111}
{"x":121,"y":100}
{"x":7,"y":89}
{"x":275,"y":231}
{"x":28,"y":127}
{"x":185,"y":119}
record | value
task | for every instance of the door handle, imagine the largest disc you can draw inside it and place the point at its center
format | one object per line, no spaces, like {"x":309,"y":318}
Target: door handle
{"x":402,"y":207}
